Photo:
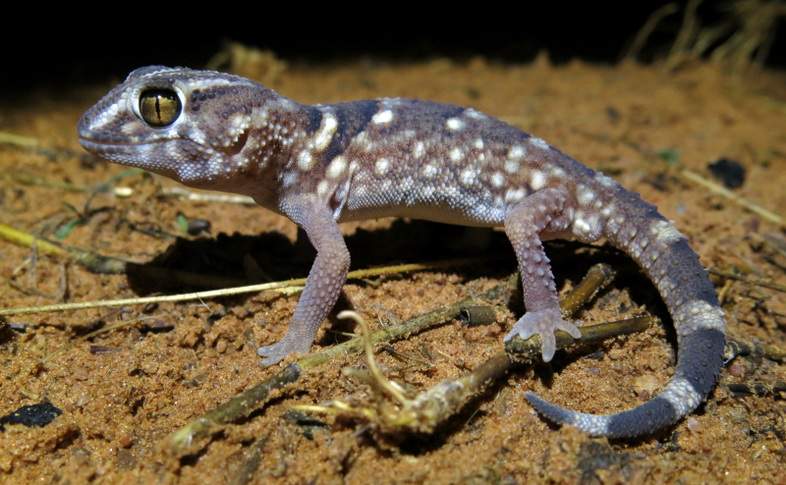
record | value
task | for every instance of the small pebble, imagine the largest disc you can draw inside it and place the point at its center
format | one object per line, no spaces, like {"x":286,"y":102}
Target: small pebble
{"x":728,"y":171}
{"x":38,"y":415}
{"x":221,"y":346}
{"x":693,"y":424}
{"x":737,"y":369}
{"x":198,"y":226}
{"x":125,"y":440}
{"x":646,"y":384}
{"x":613,"y":114}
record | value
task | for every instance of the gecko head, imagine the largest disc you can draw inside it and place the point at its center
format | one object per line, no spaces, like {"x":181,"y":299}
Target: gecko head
{"x":189,"y":125}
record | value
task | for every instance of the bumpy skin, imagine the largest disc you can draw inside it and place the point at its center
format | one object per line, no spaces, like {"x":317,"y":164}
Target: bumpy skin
{"x":324,"y":164}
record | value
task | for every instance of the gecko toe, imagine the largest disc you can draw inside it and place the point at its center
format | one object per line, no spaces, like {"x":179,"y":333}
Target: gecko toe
{"x":275,"y":353}
{"x":544,"y":323}
{"x":569,"y":328}
{"x":271,"y":354}
{"x":272,"y":360}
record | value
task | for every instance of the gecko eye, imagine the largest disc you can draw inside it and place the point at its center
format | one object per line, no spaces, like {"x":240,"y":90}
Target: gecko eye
{"x":159,"y":107}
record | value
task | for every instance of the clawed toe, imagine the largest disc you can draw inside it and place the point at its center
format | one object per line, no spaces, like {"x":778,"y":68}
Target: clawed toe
{"x":272,"y":354}
{"x":569,"y":328}
{"x":544,"y":323}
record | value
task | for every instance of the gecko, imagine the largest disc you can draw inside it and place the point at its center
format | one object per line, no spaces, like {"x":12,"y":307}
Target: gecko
{"x":320,"y":165}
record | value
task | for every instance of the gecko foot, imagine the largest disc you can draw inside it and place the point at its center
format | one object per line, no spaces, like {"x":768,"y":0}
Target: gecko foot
{"x":276,"y":352}
{"x":543,"y":323}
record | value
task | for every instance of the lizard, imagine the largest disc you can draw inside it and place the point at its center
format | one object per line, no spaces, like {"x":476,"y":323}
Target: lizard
{"x":323,"y":164}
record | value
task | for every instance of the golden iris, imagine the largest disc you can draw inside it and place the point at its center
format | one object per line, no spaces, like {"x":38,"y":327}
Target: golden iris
{"x":159,"y":107}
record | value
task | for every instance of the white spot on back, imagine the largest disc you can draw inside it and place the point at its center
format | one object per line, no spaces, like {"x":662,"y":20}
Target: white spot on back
{"x":479,"y":143}
{"x":456,"y":154}
{"x":468,"y":176}
{"x":326,"y":130}
{"x":539,"y":143}
{"x":517,"y":152}
{"x":322,"y":188}
{"x":584,"y":195}
{"x":336,"y":167}
{"x":497,"y":179}
{"x":385,"y":116}
{"x":537,"y":179}
{"x":429,"y":170}
{"x":454,"y":124}
{"x":511,"y":166}
{"x":382,"y":165}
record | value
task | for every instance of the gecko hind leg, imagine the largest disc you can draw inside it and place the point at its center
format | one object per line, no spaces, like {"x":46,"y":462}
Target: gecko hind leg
{"x":524,"y":224}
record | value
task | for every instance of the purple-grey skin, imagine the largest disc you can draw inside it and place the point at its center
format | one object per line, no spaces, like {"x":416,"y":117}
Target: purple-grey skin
{"x":324,"y":164}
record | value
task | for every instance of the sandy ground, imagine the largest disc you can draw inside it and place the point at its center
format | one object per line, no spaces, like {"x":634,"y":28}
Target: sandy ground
{"x":150,"y":370}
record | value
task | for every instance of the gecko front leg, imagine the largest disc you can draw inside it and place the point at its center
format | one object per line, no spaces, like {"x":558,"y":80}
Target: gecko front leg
{"x":524,"y":224}
{"x":324,"y":282}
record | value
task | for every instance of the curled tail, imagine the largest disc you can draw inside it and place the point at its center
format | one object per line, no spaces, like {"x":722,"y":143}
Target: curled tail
{"x":638,"y":229}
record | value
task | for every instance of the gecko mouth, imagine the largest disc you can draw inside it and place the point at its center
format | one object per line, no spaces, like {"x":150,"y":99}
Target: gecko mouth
{"x":89,"y":143}
{"x":138,"y":150}
{"x":135,"y":154}
{"x":185,"y":166}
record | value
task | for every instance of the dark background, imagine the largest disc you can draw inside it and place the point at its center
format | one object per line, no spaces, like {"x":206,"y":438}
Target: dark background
{"x":44,"y":49}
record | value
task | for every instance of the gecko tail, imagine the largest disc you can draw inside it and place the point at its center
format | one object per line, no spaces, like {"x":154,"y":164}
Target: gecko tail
{"x":694,"y":380}
{"x":698,"y":365}
{"x":667,"y":259}
{"x":676,"y":401}
{"x":651,"y":415}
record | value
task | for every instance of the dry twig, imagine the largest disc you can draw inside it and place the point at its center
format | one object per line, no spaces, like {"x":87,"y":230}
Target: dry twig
{"x":181,"y":441}
{"x":286,"y":287}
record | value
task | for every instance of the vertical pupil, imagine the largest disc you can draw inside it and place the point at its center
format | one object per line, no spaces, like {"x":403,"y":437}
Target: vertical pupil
{"x":159,"y":107}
